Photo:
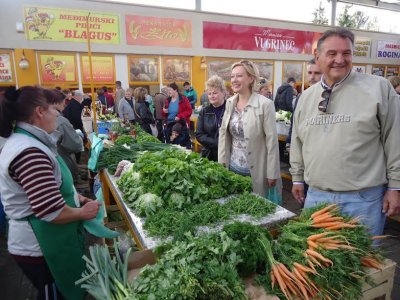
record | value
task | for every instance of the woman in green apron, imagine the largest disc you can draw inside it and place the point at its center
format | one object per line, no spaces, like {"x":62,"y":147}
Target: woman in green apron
{"x":46,"y":214}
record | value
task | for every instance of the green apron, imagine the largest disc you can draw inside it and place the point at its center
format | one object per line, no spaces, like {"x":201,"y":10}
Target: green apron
{"x":62,"y":245}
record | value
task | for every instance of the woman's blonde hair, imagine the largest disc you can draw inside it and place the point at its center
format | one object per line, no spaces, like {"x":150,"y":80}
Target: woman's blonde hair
{"x":140,"y":94}
{"x":395,"y":81}
{"x":251,"y":70}
{"x":129,"y":90}
{"x":215,"y":82}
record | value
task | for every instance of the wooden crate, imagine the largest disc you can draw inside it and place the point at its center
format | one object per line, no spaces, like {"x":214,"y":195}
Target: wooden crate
{"x":383,"y":279}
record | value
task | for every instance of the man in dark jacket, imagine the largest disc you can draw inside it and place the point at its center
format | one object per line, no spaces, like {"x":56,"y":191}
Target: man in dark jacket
{"x":73,"y":111}
{"x":284,"y":96}
{"x":159,"y":103}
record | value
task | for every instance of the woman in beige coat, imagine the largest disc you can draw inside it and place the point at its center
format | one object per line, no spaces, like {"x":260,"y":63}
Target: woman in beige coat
{"x":248,"y":142}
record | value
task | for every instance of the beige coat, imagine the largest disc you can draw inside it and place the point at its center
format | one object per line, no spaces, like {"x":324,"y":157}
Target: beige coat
{"x":262,"y":141}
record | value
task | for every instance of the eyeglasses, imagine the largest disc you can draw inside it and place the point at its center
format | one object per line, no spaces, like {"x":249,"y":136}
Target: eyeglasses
{"x":323,"y":105}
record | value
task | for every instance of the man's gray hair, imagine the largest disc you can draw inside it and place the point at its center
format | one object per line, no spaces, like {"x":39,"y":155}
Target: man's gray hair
{"x":77,"y":93}
{"x":344,"y":33}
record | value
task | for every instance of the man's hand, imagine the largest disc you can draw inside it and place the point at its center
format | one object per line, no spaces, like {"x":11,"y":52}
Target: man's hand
{"x":391,"y":203}
{"x":271,"y":182}
{"x":298,"y":192}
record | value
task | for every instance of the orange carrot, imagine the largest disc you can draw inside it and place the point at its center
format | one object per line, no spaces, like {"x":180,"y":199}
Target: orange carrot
{"x":317,"y":236}
{"x":319,"y":256}
{"x":328,"y":219}
{"x":323,"y":210}
{"x":326,"y":224}
{"x":304,"y":268}
{"x":273,"y":280}
{"x":341,"y":226}
{"x":280,"y":280}
{"x":378,"y":237}
{"x":312,"y":245}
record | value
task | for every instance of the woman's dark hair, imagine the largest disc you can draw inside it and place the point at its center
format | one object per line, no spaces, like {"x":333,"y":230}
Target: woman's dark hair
{"x":174,"y":86}
{"x":54,"y":96}
{"x":19,"y":105}
{"x":140,"y":94}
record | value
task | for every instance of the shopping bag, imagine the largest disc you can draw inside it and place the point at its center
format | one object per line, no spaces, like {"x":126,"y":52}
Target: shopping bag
{"x":97,"y":147}
{"x":154,"y":130}
{"x":273,"y":195}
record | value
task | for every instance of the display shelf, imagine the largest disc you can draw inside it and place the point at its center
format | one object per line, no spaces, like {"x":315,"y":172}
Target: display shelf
{"x":135,"y":224}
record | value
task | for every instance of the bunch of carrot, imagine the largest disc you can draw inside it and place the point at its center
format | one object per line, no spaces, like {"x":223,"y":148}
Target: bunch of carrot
{"x":297,"y":280}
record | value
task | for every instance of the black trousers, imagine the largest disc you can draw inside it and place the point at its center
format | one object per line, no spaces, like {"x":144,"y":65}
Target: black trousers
{"x":38,"y":273}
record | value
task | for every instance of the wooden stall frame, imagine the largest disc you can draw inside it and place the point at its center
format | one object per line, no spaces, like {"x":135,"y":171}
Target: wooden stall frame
{"x":109,"y":194}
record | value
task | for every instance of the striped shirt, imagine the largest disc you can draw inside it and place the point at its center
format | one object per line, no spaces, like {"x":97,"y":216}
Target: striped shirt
{"x":32,"y":169}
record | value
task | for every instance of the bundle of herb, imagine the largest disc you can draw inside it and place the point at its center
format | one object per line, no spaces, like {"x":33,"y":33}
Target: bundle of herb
{"x":197,"y":268}
{"x":207,"y":213}
{"x":124,"y":139}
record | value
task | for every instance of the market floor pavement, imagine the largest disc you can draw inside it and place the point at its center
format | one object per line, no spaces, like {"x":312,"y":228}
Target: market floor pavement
{"x":14,"y":285}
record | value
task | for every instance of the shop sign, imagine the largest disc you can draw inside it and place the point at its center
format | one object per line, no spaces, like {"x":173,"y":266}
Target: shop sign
{"x":388,"y":49}
{"x":255,"y":38}
{"x":151,"y":31}
{"x":6,"y":73}
{"x":102,"y":69}
{"x":362,"y":47}
{"x":65,"y":25}
{"x":55,"y":68}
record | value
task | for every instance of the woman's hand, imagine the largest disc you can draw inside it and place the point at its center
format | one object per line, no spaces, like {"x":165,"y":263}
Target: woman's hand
{"x":90,"y":210}
{"x":177,"y":118}
{"x":165,"y":110}
{"x":271,"y":182}
{"x":83,"y":200}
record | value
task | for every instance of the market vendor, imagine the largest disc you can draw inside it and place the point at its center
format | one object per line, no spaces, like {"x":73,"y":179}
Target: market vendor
{"x":45,"y":226}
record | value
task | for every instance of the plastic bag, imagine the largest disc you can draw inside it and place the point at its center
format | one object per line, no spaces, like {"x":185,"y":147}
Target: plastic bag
{"x":273,"y":195}
{"x":97,"y":147}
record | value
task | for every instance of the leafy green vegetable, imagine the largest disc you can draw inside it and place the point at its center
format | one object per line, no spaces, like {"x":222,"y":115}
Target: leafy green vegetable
{"x":124,"y":139}
{"x":147,"y":204}
{"x":197,"y":268}
{"x":170,"y":222}
{"x":249,"y":248}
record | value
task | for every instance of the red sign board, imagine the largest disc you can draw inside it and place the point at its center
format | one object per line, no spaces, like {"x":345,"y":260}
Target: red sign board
{"x":254,"y":38}
{"x":151,"y":31}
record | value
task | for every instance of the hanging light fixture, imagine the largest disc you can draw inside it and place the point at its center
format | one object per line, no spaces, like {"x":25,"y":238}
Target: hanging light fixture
{"x":24,"y":62}
{"x":203,"y":63}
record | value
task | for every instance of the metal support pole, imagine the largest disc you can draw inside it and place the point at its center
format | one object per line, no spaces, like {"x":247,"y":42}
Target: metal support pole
{"x":333,"y":13}
{"x":91,"y":76}
{"x":198,"y":5}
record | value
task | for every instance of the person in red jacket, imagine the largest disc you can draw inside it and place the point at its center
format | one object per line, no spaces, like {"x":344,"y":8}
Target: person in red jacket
{"x":177,"y":106}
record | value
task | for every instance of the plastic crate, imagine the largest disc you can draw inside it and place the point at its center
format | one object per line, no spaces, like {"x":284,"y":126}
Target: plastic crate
{"x":103,"y":126}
